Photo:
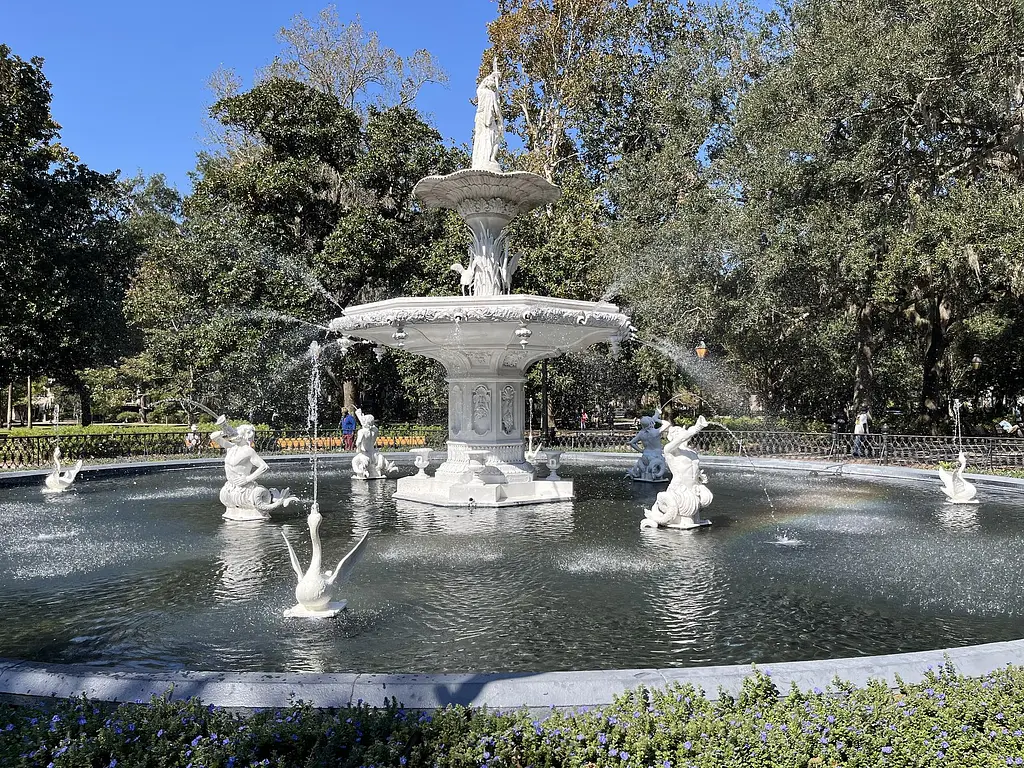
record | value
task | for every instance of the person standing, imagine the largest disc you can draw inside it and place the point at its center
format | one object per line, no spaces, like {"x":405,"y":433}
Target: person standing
{"x":348,"y":430}
{"x":860,"y":433}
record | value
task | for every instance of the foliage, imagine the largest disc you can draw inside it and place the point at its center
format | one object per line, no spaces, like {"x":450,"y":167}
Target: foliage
{"x":65,"y":251}
{"x":944,"y":719}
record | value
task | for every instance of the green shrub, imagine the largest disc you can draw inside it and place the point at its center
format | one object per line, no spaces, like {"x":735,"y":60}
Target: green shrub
{"x":945,"y":720}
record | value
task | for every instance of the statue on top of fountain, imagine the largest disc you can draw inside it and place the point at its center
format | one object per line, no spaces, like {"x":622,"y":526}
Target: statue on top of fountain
{"x":489,"y":128}
{"x":679,"y":505}
{"x":650,"y":467}
{"x":242,"y":497}
{"x":368,"y":463}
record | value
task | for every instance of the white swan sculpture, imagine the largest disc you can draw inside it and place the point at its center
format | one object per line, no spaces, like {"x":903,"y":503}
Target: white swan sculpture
{"x":57,"y":481}
{"x":958,"y":490}
{"x":314,"y":593}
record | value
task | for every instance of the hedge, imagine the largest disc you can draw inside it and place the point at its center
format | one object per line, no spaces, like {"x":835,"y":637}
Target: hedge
{"x":945,"y":720}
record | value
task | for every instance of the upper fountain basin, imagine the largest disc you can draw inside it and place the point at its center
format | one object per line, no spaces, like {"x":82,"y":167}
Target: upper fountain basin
{"x":498,"y":333}
{"x":472,"y":190}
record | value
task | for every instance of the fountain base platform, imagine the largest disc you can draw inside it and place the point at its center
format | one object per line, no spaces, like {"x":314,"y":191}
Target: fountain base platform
{"x":301,"y":612}
{"x":685,"y":526}
{"x":444,"y":493}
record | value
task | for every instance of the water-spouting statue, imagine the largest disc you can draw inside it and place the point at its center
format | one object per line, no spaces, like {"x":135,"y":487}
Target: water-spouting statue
{"x":57,"y":481}
{"x":369,"y":463}
{"x":679,"y":505}
{"x":650,"y":467}
{"x":958,"y":490}
{"x":242,"y":497}
{"x":315,"y":590}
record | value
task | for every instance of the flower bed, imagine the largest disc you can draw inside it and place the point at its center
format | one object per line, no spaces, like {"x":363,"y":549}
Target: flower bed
{"x":304,"y":443}
{"x":945,"y":720}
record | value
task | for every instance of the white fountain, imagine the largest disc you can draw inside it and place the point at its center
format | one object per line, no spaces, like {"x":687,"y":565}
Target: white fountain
{"x":651,"y":466}
{"x":58,"y":481}
{"x":488,"y":338}
{"x":680,"y":505}
{"x":315,"y":591}
{"x":243,"y":498}
{"x":958,"y":490}
{"x":369,"y":463}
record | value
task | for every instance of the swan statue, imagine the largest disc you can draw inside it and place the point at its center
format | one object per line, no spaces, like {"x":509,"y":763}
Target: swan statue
{"x":958,"y":490}
{"x":315,"y":593}
{"x":57,"y":481}
{"x":532,"y":454}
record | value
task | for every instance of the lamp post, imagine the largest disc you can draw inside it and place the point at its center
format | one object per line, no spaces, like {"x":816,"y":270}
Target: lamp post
{"x":701,"y":350}
{"x":976,"y":366}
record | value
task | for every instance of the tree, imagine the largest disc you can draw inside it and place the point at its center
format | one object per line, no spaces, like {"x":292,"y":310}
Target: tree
{"x":65,"y":250}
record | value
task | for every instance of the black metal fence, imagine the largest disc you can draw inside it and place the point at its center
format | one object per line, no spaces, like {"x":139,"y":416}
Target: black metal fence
{"x":907,"y":450}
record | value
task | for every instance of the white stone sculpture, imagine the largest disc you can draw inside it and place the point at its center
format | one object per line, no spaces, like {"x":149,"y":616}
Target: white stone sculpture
{"x":650,"y":467}
{"x":369,"y":463}
{"x":489,"y":129}
{"x":57,"y":481}
{"x":679,"y":505}
{"x":958,"y":490}
{"x":315,"y":590}
{"x":554,"y":462}
{"x":242,"y":497}
{"x":421,"y":458}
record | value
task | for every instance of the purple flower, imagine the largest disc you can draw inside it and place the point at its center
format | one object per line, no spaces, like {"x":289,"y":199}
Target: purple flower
{"x":686,"y":745}
{"x":886,"y":750}
{"x":624,"y":755}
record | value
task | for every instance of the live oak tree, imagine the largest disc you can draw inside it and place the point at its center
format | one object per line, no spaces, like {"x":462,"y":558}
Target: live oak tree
{"x":66,"y":254}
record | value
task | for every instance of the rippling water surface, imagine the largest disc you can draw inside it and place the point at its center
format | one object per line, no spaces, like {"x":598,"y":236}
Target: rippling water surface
{"x":143,"y":572}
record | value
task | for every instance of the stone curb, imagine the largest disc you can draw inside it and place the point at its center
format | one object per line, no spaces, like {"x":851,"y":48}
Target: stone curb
{"x":253,"y":690}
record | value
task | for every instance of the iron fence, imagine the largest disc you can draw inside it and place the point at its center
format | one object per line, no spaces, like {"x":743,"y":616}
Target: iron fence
{"x":26,"y":452}
{"x":18,"y":452}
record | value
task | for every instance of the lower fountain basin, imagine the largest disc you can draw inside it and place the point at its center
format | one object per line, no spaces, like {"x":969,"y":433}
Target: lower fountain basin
{"x":142,"y":573}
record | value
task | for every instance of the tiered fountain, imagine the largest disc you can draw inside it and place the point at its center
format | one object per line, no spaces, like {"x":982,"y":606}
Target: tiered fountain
{"x":487,"y":338}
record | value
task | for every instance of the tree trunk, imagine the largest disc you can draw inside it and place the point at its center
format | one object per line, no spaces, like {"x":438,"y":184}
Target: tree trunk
{"x":934,"y":366}
{"x":864,"y":378}
{"x":85,"y":397}
{"x":28,"y":402}
{"x":350,"y":394}
{"x":10,"y":404}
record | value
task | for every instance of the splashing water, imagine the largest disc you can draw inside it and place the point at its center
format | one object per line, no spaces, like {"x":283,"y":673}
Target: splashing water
{"x":760,"y":478}
{"x":958,"y":436}
{"x":313,"y":414}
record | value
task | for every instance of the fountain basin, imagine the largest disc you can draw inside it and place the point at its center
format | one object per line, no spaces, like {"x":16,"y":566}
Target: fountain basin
{"x":140,"y":572}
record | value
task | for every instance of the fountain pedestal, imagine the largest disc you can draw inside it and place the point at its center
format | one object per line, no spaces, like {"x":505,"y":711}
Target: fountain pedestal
{"x":479,"y":340}
{"x":486,"y":339}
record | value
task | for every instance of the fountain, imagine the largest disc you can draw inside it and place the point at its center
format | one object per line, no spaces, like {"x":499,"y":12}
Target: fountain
{"x":650,"y":467}
{"x":487,"y":338}
{"x":679,"y":505}
{"x":242,"y":497}
{"x":958,"y":490}
{"x":57,"y":481}
{"x":369,"y":463}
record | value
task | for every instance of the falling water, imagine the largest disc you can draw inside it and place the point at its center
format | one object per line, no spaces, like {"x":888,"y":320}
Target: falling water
{"x":313,"y":416}
{"x":782,"y":537}
{"x":958,"y":437}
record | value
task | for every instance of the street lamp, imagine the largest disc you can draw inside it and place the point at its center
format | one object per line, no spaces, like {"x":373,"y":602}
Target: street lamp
{"x":976,"y":362}
{"x":976,"y":365}
{"x":701,"y":350}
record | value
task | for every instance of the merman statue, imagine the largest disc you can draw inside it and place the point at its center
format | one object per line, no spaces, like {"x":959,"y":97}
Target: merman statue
{"x":679,"y":505}
{"x":368,"y":463}
{"x":57,"y":481}
{"x":650,"y":467}
{"x":242,"y":497}
{"x":315,"y":591}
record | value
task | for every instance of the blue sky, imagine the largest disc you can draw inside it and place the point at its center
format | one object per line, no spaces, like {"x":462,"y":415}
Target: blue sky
{"x":129,"y":76}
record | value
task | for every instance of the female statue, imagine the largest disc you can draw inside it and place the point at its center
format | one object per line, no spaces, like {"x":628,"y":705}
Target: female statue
{"x":488,"y":129}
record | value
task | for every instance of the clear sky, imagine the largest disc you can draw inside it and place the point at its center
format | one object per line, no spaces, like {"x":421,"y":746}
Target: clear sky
{"x":129,"y":77}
